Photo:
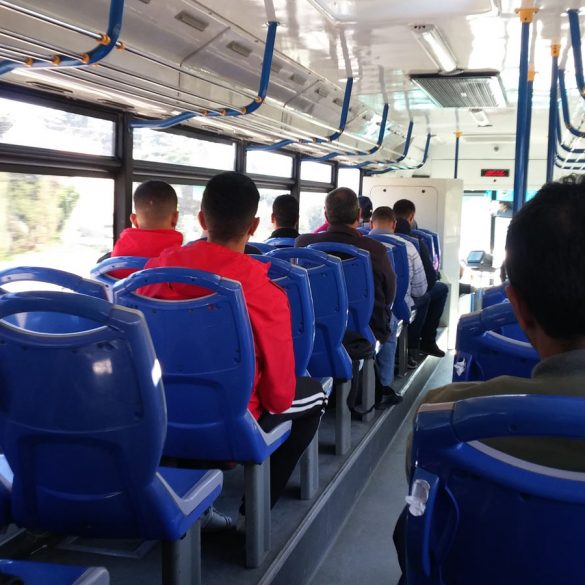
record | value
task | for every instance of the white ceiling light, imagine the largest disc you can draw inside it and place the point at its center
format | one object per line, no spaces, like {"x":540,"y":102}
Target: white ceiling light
{"x":432,"y":41}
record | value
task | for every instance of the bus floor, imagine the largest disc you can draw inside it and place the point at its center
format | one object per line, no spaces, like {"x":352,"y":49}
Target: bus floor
{"x":364,"y":551}
{"x":302,"y":530}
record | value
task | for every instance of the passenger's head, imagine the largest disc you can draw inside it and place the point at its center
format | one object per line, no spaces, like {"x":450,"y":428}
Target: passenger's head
{"x":341,"y":207}
{"x":366,"y":206}
{"x":384,"y":218}
{"x":285,"y":212}
{"x":155,"y":206}
{"x":405,"y":209}
{"x":228,"y":208}
{"x":545,"y":262}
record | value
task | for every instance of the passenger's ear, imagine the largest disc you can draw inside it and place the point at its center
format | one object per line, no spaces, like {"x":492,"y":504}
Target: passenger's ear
{"x":254,"y":226}
{"x":175,"y":219}
{"x":521,"y":310}
{"x":134,"y":220}
{"x":272,"y":218}
{"x":202,"y":221}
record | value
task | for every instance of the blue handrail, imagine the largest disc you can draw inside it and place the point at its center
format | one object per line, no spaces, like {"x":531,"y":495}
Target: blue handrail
{"x":457,"y":139}
{"x":553,"y":113}
{"x":330,"y":138}
{"x":561,"y":144}
{"x":230,"y":112}
{"x":529,"y":94}
{"x":404,"y":154}
{"x":573,"y":14}
{"x":372,"y":150}
{"x":565,"y":107}
{"x":521,"y":118}
{"x":107,"y":42}
{"x":405,"y":168}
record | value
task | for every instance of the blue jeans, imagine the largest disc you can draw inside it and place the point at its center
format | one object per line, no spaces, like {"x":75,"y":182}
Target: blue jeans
{"x":386,"y":355}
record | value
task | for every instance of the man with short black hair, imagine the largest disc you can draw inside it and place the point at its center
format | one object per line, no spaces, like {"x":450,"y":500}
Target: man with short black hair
{"x":366,"y":208}
{"x":228,"y":213}
{"x":405,"y":211}
{"x":343,"y":214}
{"x":546,"y":289}
{"x":285,"y":217}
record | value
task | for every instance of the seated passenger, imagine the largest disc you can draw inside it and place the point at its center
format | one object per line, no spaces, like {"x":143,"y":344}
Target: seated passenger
{"x":285,"y":217}
{"x":547,"y":288}
{"x":384,"y":222}
{"x":228,"y":210}
{"x":343,"y":215}
{"x":154,"y":219}
{"x":366,"y":207}
{"x":437,"y":291}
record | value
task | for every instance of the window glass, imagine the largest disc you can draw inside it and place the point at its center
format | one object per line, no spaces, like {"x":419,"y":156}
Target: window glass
{"x":61,"y":222}
{"x":27,"y":124}
{"x":269,"y":163}
{"x":311,"y":211}
{"x":267,"y":197}
{"x":155,"y":146}
{"x":349,"y":178}
{"x":476,"y":214}
{"x":313,"y":171}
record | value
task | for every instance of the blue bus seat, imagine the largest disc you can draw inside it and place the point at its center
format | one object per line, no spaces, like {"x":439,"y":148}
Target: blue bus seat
{"x":483,"y":352}
{"x":101,"y":272}
{"x":437,"y":243}
{"x":206,"y":351}
{"x":412,"y":240}
{"x":430,"y":242}
{"x":264,"y":247}
{"x":493,"y":295}
{"x":83,"y":430}
{"x":400,"y":308}
{"x":329,"y":357}
{"x":295,"y":282}
{"x":364,"y":230}
{"x":486,"y":517}
{"x":40,"y":276}
{"x":32,"y":573}
{"x":359,"y":283}
{"x":281,"y":242}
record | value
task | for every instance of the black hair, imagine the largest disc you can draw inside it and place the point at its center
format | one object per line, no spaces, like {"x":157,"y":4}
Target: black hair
{"x":156,"y":199}
{"x":229,"y":205}
{"x":286,"y":211}
{"x":341,"y":206}
{"x":385,"y":213}
{"x":404,"y":208}
{"x":366,"y":207}
{"x":545,"y":257}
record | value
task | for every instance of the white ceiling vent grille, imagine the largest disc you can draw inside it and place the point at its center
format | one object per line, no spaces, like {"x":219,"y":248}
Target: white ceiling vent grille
{"x":469,"y":89}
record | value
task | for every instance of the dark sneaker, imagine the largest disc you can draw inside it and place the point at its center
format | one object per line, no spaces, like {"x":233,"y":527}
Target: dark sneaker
{"x":214,"y":521}
{"x":411,"y":364}
{"x":389,"y":398}
{"x":431,"y":348}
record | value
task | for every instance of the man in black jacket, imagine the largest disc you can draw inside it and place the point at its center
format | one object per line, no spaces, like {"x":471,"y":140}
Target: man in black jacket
{"x":285,"y":217}
{"x":437,"y":290}
{"x":343,"y":214}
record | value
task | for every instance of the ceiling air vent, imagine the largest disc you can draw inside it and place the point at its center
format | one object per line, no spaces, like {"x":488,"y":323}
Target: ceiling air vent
{"x":48,"y":87}
{"x":468,"y":89}
{"x":191,"y":20}
{"x":239,"y":49}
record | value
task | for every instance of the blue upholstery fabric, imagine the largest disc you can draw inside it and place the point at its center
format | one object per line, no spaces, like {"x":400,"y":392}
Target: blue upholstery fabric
{"x":436,"y":241}
{"x":483,"y":352}
{"x":54,"y":322}
{"x":400,"y":308}
{"x":83,"y":430}
{"x":364,"y":230}
{"x":359,"y":281}
{"x":490,"y":518}
{"x":206,"y":352}
{"x":412,"y":240}
{"x":281,"y":242}
{"x":430,"y":242}
{"x":494,"y":295}
{"x":262,"y":246}
{"x":50,"y":574}
{"x":295,"y":281}
{"x":329,"y":357}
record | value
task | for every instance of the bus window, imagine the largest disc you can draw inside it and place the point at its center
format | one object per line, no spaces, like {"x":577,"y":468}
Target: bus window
{"x":259,"y":162}
{"x":25,"y":124}
{"x":317,"y":172}
{"x":311,"y":211}
{"x":349,"y":178}
{"x":62,"y":222}
{"x":164,"y":147}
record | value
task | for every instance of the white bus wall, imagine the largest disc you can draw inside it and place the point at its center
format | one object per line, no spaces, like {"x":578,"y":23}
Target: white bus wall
{"x":438,"y":208}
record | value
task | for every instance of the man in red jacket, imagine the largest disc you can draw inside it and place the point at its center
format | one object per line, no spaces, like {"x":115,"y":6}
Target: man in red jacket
{"x":228,"y":210}
{"x":154,"y":221}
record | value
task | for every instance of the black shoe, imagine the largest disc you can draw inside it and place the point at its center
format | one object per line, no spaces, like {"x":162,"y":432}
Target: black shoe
{"x":431,"y":348}
{"x":411,"y":364}
{"x":389,"y":398}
